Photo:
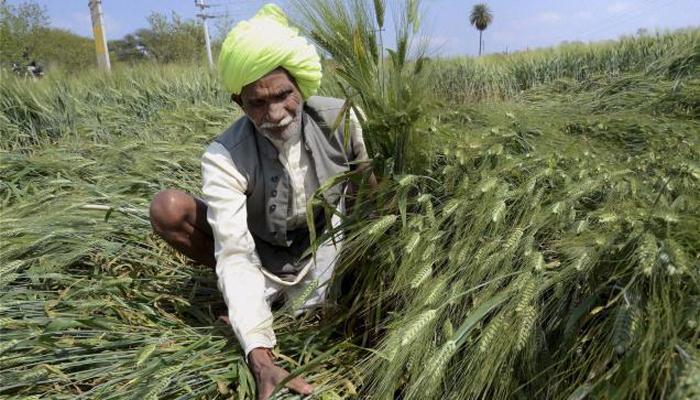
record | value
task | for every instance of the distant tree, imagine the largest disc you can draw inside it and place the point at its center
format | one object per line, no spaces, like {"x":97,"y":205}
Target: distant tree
{"x":130,"y":49}
{"x":481,"y":17}
{"x":222,"y":26}
{"x":172,"y":40}
{"x":167,"y":40}
{"x":25,"y":36}
{"x":56,"y":47}
{"x":18,"y":27}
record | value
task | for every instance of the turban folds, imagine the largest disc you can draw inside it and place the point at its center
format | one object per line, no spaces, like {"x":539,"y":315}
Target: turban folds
{"x":263,"y":43}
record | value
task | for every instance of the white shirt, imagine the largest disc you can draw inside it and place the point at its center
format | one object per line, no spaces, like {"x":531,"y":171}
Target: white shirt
{"x":238,"y":267}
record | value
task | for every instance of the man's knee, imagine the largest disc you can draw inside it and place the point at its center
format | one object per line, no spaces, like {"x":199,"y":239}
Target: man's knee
{"x":168,"y":211}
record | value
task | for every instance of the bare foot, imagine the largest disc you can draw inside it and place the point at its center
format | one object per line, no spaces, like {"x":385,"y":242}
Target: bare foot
{"x":268,"y":375}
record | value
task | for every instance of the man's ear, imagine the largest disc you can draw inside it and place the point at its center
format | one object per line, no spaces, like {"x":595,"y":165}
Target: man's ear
{"x":236,"y":98}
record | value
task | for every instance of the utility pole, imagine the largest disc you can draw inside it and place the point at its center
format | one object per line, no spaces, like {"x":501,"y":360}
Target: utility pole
{"x":202,"y":6}
{"x":99,"y":34}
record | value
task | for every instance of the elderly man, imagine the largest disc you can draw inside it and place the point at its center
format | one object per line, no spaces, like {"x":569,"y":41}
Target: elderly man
{"x":257,"y":178}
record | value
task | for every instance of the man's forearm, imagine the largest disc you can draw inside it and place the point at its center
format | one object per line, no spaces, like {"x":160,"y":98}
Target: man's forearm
{"x":244,"y":289}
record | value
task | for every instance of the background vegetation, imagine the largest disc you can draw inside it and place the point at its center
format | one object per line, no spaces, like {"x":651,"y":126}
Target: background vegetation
{"x":538,"y":237}
{"x":26,"y":35}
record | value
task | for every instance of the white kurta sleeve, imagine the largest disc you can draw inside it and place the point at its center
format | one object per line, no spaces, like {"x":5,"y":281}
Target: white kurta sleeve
{"x":237,"y":264}
{"x":359,"y":149}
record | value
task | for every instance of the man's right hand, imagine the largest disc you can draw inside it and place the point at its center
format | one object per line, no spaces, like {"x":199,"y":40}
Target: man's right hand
{"x":268,"y":375}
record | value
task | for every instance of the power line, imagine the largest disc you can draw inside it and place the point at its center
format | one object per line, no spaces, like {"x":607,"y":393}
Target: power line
{"x":612,"y":21}
{"x":650,"y":6}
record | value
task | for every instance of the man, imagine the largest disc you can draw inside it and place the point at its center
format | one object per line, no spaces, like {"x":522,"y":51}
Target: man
{"x":257,"y":179}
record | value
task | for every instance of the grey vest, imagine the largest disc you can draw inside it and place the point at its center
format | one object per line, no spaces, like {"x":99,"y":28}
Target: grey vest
{"x":256,"y":158}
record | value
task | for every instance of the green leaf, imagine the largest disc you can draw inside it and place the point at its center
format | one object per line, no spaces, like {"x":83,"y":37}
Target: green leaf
{"x":145,"y":353}
{"x":581,"y":392}
{"x":476,"y":315}
{"x":62,"y":324}
{"x":108,"y":213}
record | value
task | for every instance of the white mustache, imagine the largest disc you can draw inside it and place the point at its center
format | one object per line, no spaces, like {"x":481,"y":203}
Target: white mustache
{"x":286,"y":121}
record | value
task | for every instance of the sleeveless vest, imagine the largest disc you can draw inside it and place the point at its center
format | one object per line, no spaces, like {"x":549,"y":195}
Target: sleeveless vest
{"x":269,"y":186}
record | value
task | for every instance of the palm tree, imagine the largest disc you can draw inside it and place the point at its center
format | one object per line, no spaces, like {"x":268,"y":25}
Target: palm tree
{"x":481,"y":17}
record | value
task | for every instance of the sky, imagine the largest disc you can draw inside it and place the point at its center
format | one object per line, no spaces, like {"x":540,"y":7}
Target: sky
{"x":517,"y":24}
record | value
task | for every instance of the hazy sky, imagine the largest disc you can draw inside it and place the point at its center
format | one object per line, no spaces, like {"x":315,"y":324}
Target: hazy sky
{"x":518,"y":24}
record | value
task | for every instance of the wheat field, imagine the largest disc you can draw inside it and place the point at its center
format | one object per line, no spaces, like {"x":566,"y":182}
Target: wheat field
{"x":535,"y":233}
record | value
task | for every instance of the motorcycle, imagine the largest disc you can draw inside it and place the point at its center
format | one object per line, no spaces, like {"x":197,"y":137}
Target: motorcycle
{"x":32,"y":70}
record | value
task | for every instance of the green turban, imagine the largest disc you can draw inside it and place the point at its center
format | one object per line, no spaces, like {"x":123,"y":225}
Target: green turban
{"x":263,"y":43}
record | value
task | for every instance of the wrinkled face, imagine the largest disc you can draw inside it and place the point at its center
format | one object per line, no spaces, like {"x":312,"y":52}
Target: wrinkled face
{"x":274,"y":104}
